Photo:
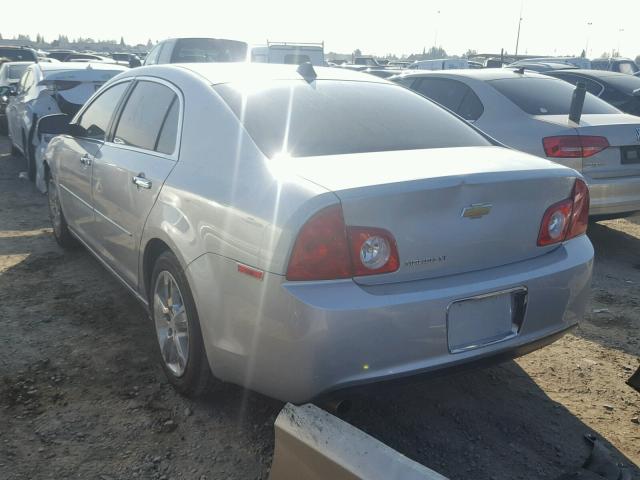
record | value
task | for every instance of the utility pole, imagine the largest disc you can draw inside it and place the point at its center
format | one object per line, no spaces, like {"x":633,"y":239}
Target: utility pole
{"x":519,"y":25}
{"x":586,"y":50}
{"x":435,"y":41}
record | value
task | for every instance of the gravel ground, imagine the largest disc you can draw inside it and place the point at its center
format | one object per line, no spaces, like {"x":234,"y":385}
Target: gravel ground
{"x":82,"y":395}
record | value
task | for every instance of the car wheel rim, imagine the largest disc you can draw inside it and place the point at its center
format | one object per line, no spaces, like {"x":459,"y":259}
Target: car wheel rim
{"x":172,"y":326}
{"x":54,"y":208}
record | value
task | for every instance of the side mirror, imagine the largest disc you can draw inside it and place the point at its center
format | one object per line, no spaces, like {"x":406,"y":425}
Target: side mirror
{"x":56,"y":124}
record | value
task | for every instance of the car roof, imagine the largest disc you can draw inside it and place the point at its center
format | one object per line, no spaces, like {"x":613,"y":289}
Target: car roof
{"x":217,"y":73}
{"x":53,"y":67}
{"x":483,"y":74}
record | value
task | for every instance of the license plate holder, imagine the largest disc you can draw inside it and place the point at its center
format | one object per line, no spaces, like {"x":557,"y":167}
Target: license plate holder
{"x":630,"y":155}
{"x":485,"y":319}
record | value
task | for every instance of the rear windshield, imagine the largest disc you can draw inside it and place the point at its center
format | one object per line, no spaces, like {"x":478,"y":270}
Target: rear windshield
{"x":203,"y":50}
{"x":16,"y":71}
{"x":338,"y":117}
{"x":546,"y":96}
{"x":18,"y":54}
{"x":625,"y":83}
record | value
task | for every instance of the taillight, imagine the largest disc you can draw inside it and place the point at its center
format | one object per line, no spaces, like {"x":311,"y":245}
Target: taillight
{"x":566,"y":219}
{"x":321,"y":251}
{"x":326,"y":249}
{"x":373,"y":251}
{"x":574,"y":146}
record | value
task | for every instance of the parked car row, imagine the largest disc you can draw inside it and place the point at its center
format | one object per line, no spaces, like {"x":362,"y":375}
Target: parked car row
{"x":299,"y":230}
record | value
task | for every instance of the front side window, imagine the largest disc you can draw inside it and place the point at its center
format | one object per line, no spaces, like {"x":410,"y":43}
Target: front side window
{"x":338,"y":117}
{"x":546,"y":96}
{"x":149,"y":119}
{"x":152,"y":58}
{"x":96,"y":118}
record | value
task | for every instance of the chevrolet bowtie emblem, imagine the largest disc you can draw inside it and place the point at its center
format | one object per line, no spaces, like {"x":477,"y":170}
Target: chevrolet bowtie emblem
{"x":476,"y":210}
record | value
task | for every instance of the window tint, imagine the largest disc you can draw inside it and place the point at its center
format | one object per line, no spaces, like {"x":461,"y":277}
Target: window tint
{"x":18,"y":54}
{"x":454,"y":95}
{"x":592,"y":86}
{"x":95,"y":119}
{"x":546,"y":96}
{"x":614,"y":96}
{"x":152,"y":58}
{"x":167,"y":139}
{"x":625,"y":83}
{"x":144,"y":115}
{"x":447,"y":93}
{"x":200,"y":50}
{"x":471,"y":107}
{"x":333,"y":117}
{"x":16,"y":71}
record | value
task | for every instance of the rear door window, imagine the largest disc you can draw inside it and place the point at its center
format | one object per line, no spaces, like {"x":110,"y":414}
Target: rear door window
{"x":149,"y":119}
{"x":592,"y":86}
{"x":454,"y":95}
{"x":96,"y":118}
{"x":546,"y":96}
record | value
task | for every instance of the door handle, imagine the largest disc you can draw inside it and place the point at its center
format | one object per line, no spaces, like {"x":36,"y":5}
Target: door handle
{"x":85,"y":160}
{"x":141,"y":182}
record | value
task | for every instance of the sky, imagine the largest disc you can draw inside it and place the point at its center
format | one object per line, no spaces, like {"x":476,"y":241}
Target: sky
{"x":549,"y":27}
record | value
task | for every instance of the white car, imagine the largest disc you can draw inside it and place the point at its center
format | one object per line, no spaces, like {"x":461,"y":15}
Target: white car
{"x":530,"y":112}
{"x":45,"y":89}
{"x":10,"y":73}
{"x":440,"y":64}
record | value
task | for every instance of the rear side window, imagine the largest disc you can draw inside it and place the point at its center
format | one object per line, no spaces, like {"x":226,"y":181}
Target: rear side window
{"x":333,"y":117}
{"x":202,"y":50}
{"x":592,"y":86}
{"x":96,"y":118}
{"x":546,"y":96}
{"x":148,"y":115}
{"x":454,"y":95}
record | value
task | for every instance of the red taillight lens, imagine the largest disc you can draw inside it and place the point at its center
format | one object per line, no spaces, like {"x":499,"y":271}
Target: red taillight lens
{"x":574,"y":146}
{"x":321,"y":251}
{"x":580,"y":214}
{"x":326,"y":249}
{"x":373,"y":251}
{"x":566,"y":219}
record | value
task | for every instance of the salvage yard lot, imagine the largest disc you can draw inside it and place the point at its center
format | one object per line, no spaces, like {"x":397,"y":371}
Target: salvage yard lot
{"x":82,"y":394}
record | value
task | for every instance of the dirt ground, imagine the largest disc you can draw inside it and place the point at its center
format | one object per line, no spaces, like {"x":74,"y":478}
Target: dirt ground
{"x":82,"y":395}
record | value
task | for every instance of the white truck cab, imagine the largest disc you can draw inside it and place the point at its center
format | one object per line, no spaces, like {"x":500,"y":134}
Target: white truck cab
{"x":289,"y":53}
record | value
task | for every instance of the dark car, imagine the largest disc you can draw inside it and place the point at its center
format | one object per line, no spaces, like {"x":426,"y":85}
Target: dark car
{"x":620,"y":65}
{"x":18,"y":54}
{"x":620,"y":90}
{"x":130,"y":59}
{"x":60,"y":54}
{"x":197,"y":50}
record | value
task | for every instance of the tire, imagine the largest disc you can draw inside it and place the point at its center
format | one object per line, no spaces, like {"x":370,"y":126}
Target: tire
{"x":177,"y":326}
{"x":61,"y":230}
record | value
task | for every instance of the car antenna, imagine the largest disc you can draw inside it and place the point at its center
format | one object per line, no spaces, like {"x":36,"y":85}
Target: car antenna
{"x":519,"y":71}
{"x":306,"y":70}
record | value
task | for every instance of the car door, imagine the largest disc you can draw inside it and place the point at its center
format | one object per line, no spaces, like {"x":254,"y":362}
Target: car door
{"x":15,"y":110}
{"x":131,"y":170}
{"x":75,"y":160}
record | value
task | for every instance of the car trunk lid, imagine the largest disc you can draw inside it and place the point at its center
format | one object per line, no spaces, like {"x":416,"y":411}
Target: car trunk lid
{"x":450,"y":210}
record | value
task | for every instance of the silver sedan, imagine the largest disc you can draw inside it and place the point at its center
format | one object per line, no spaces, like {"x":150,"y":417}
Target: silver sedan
{"x":530,"y":112}
{"x":297,"y":231}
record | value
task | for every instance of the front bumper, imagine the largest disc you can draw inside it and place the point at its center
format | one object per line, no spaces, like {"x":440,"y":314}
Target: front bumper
{"x":612,"y":196}
{"x":297,"y":340}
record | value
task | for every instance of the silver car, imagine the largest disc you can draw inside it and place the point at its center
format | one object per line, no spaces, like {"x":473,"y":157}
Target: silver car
{"x":297,"y":231}
{"x":530,"y":112}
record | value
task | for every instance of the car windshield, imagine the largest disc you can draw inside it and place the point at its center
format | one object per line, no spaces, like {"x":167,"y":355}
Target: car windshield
{"x":546,"y":96}
{"x":203,"y":50}
{"x":16,"y":71}
{"x":333,"y":117}
{"x":18,"y":54}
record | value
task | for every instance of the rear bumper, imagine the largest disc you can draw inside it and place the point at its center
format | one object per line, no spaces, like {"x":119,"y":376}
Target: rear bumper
{"x":298,"y":340}
{"x":612,"y":196}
